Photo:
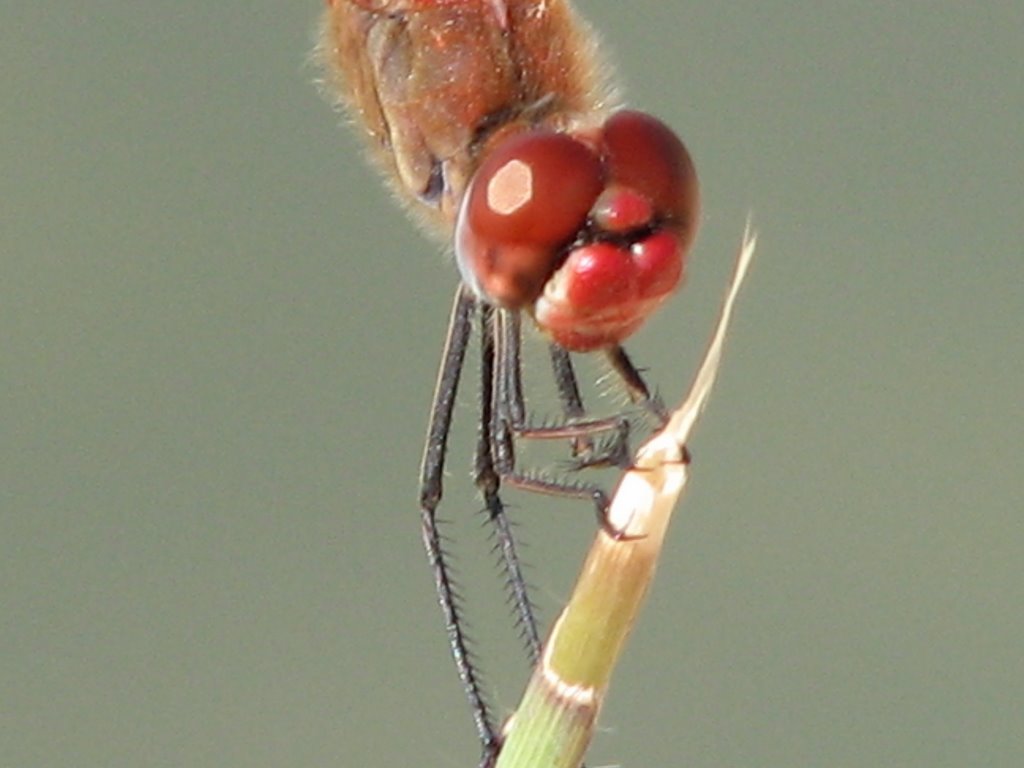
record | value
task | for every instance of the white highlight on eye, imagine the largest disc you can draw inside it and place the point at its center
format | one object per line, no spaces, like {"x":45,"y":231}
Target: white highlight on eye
{"x":510,"y":188}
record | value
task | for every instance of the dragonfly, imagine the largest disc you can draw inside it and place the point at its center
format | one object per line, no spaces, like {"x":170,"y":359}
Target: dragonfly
{"x":499,"y":126}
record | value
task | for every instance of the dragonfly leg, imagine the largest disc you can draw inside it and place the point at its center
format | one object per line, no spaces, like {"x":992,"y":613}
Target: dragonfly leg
{"x":488,"y":480}
{"x":635,"y":385}
{"x":431,"y":491}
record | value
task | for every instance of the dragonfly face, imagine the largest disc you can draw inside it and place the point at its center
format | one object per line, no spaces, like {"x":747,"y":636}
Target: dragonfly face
{"x":495,"y":122}
{"x":586,"y":230}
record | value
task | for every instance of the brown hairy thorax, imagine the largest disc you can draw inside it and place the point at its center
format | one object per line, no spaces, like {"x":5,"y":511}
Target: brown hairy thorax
{"x":410,"y":74}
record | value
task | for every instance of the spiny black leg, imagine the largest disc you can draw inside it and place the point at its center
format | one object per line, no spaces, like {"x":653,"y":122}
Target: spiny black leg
{"x":497,"y":385}
{"x":637,"y":388}
{"x":566,"y":381}
{"x":432,"y":470}
{"x":569,"y":395}
{"x":509,"y":382}
{"x":576,"y":427}
{"x":507,"y":407}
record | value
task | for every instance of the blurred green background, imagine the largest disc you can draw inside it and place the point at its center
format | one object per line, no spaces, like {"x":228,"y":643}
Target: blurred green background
{"x":218,"y":340}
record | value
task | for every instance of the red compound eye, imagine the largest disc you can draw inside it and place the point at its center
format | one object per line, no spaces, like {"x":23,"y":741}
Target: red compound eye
{"x":530,"y":196}
{"x":645,"y":154}
{"x":643,"y":224}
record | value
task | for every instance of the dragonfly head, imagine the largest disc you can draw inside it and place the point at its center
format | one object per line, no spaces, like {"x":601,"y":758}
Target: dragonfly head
{"x":588,"y":233}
